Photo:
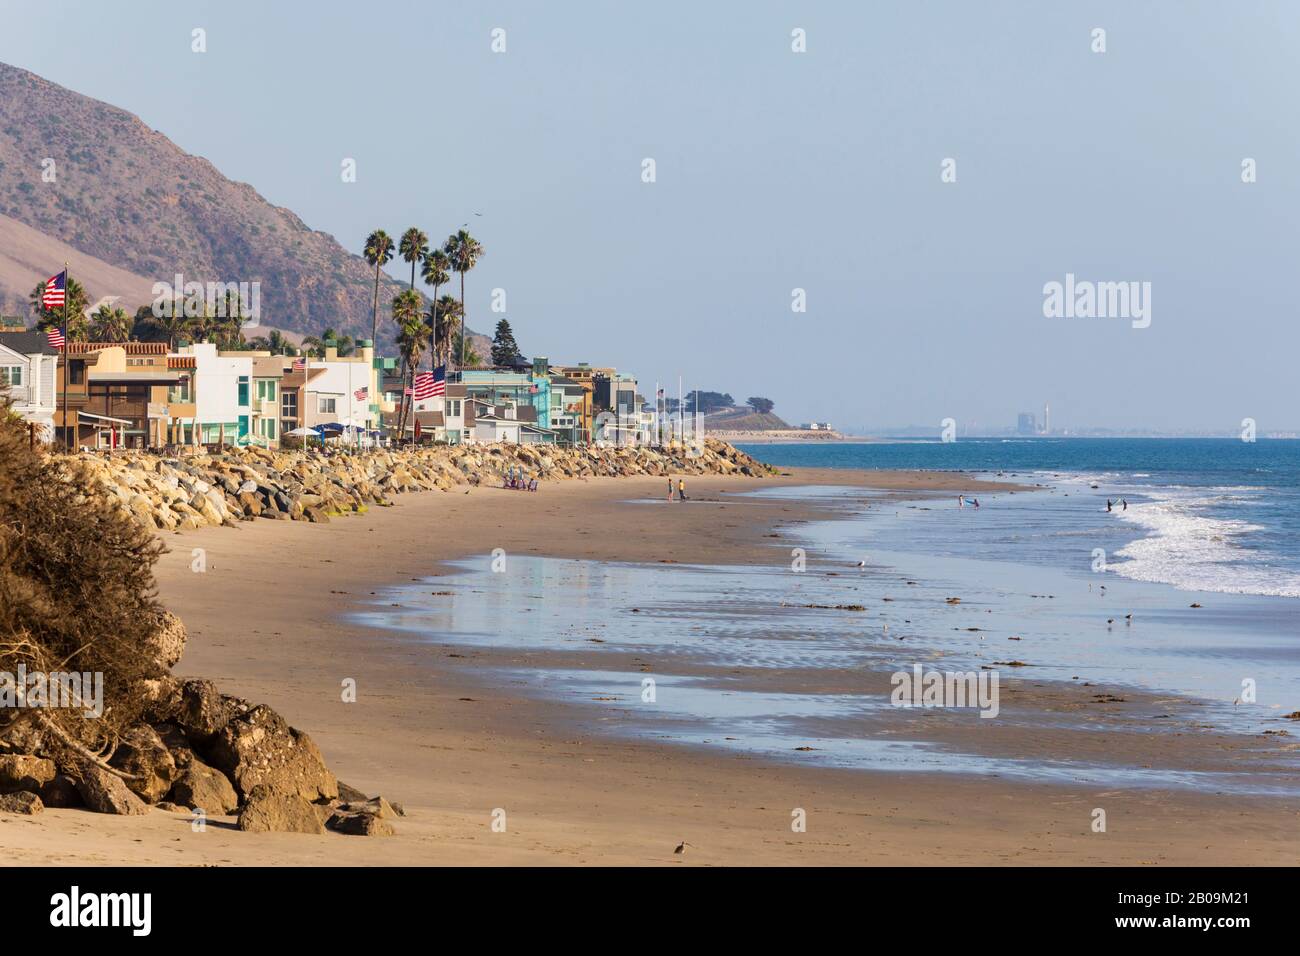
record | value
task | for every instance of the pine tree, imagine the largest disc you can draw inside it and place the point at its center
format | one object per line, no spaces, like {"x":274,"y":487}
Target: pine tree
{"x":504,"y":346}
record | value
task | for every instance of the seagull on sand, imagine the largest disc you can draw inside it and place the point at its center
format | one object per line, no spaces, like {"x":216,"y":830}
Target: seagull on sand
{"x":681,"y":848}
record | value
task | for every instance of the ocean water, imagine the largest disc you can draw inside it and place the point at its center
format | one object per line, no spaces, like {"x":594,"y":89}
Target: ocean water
{"x":1190,"y":592}
{"x":1217,"y":515}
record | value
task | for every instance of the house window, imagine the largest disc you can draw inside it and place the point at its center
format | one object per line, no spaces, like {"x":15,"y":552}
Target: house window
{"x":11,"y":375}
{"x":243,"y":390}
{"x":77,"y":373}
{"x":325,"y":405}
{"x":289,"y":405}
{"x":266,"y":390}
{"x":454,"y":405}
{"x":180,"y":392}
{"x":266,"y":428}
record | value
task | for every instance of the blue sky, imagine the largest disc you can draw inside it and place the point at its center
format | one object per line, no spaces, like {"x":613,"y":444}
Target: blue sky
{"x":777,"y":171}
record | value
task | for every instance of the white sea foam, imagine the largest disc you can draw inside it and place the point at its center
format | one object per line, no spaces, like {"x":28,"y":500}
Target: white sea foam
{"x":1192,"y":551}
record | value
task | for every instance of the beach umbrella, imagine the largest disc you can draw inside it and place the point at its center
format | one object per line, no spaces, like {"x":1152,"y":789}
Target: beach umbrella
{"x":304,"y":433}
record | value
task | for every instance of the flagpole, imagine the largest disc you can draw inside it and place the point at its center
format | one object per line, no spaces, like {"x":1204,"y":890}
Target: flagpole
{"x":656,"y":439}
{"x":681,"y":411}
{"x":67,"y":431}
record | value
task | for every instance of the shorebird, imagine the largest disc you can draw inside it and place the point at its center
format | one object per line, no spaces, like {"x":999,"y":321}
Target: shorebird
{"x":862,"y":564}
{"x":1128,"y":618}
{"x":681,"y":848}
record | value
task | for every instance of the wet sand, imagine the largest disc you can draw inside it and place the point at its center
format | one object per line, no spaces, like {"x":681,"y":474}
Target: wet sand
{"x":269,"y":620}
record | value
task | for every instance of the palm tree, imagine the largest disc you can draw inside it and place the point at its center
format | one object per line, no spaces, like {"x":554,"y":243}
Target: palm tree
{"x":435,"y":272}
{"x":342,"y":344}
{"x":110,"y":325}
{"x":412,"y":334}
{"x":448,"y":314}
{"x":414,"y":247}
{"x":378,"y":252}
{"x":174,"y":324}
{"x":464,"y":252}
{"x":313,"y":346}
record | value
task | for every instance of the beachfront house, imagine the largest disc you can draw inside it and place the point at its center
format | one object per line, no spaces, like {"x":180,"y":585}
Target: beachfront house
{"x":510,"y":423}
{"x":521,"y":387}
{"x":222,"y":384}
{"x":116,"y":395}
{"x":346,"y":390}
{"x":268,"y":371}
{"x":28,"y":365}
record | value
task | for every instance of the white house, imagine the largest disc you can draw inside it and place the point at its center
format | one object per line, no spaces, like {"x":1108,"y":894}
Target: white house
{"x":344,"y":389}
{"x":28,"y":367}
{"x":222,"y":394}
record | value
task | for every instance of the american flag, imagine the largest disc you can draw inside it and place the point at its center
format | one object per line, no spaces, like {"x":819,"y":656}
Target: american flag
{"x":55,"y":293}
{"x":300,"y":365}
{"x":55,"y":337}
{"x":439,"y":381}
{"x":423,"y":386}
{"x":361,"y":393}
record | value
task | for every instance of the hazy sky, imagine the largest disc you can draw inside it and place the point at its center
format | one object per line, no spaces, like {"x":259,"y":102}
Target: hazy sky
{"x":779,"y":170}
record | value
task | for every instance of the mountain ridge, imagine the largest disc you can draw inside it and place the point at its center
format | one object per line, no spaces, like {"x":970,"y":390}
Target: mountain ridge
{"x":126,"y":195}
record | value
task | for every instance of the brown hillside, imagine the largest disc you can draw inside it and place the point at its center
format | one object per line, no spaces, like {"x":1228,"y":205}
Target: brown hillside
{"x":129,"y":197}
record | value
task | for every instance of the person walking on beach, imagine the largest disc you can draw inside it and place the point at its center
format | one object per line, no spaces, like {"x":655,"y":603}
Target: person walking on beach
{"x":1107,"y":504}
{"x":670,"y":488}
{"x":961,"y":501}
{"x":1124,"y":502}
{"x":681,"y":489}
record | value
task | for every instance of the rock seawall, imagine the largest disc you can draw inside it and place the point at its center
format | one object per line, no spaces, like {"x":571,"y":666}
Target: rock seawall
{"x":195,"y":491}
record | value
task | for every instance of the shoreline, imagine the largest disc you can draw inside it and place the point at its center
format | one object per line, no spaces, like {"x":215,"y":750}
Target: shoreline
{"x":268,"y":621}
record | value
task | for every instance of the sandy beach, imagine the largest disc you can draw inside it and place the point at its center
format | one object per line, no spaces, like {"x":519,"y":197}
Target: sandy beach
{"x":272,"y":619}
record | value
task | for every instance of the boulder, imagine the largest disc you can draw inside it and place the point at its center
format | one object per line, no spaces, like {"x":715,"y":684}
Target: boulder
{"x":260,"y":748}
{"x":350,"y":794}
{"x":23,"y":736}
{"x":22,"y":801}
{"x":377,"y":806}
{"x":167,"y":641}
{"x":143,"y":755}
{"x":273,"y":811}
{"x":104,"y":792}
{"x":21,"y":772}
{"x":204,"y":711}
{"x":206,"y":788}
{"x":361,"y":824}
{"x":162,"y":698}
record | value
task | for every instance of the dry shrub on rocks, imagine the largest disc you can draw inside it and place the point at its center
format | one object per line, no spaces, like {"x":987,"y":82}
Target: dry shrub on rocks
{"x":77,"y":594}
